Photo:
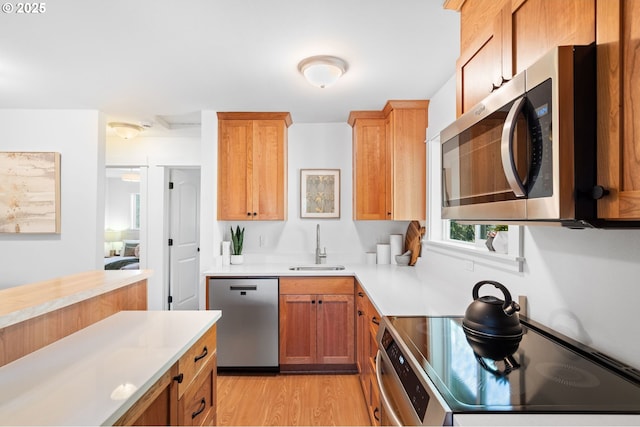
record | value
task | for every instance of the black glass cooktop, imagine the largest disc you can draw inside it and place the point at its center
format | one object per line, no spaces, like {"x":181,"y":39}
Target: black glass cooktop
{"x":544,"y":374}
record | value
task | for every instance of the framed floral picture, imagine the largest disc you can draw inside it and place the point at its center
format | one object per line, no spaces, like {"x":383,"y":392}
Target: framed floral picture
{"x":320,"y":193}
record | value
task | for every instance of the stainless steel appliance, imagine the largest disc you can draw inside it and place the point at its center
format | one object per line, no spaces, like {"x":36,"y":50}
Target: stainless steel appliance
{"x":429,"y":375}
{"x":528,"y":151}
{"x":248,"y":329}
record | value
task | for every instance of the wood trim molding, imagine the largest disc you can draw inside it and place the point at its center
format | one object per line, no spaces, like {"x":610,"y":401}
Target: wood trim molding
{"x":286,"y":117}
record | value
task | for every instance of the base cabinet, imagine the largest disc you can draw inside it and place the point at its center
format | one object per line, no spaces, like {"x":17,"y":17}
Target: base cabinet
{"x":317,"y":324}
{"x":368,"y":321}
{"x":185,"y":395}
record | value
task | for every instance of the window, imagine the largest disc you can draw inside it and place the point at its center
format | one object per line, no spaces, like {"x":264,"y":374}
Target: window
{"x":468,"y":241}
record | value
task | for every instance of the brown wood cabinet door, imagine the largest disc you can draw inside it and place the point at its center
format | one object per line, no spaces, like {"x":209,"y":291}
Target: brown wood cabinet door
{"x":335,"y":329}
{"x":297,"y":329}
{"x":495,"y":49}
{"x":362,"y":339}
{"x":369,"y":167}
{"x":268,"y":165}
{"x":408,"y":188}
{"x":533,"y":27}
{"x":479,"y":67}
{"x":234,"y":143}
{"x":618,"y":43}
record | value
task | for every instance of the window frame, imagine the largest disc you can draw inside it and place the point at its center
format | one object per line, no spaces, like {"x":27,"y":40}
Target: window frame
{"x":437,"y":235}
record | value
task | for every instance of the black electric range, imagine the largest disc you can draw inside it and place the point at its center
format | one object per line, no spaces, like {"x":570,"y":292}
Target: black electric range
{"x":429,"y":373}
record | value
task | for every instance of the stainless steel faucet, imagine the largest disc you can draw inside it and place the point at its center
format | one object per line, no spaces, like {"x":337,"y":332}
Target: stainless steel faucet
{"x":321,"y":257}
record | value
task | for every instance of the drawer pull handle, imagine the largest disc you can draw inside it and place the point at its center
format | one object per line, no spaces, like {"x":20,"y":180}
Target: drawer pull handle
{"x":203,"y":355}
{"x":179,"y":378}
{"x":203,"y":406}
{"x":375,"y":414}
{"x":375,"y":320}
{"x":360,"y":294}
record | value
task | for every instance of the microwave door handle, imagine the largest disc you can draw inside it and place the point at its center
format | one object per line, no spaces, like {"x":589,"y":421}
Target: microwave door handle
{"x":506,"y":149}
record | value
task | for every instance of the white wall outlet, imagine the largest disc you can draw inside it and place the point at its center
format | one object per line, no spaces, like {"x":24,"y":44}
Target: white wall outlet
{"x":468,"y":265}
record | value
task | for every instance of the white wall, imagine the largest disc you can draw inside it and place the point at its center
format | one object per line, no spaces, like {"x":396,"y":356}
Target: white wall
{"x":79,"y":136}
{"x":583,"y":283}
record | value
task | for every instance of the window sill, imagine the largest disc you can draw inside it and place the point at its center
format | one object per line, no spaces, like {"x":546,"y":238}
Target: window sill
{"x":508,"y":262}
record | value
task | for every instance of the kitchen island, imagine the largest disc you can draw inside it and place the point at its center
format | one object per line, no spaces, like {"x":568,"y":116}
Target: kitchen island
{"x":96,"y":375}
{"x":37,"y":314}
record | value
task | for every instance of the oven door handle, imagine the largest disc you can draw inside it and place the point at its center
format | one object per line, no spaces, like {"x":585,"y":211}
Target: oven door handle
{"x":506,"y":148}
{"x":386,"y":403}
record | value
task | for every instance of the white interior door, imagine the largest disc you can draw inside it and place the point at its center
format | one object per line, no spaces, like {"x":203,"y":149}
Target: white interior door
{"x":184,"y":233}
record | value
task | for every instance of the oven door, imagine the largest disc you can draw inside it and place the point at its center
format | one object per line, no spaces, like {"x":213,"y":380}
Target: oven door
{"x":492,"y":158}
{"x":398,"y":409}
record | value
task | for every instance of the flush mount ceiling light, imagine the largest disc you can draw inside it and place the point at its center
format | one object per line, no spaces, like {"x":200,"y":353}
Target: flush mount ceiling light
{"x":322,"y":70}
{"x":126,"y":130}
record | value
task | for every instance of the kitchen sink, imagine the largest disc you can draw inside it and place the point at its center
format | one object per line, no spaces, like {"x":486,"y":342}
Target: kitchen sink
{"x":317,"y":267}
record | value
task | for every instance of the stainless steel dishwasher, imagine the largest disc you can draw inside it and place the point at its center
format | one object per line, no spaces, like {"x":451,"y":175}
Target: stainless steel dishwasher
{"x":248,"y":329}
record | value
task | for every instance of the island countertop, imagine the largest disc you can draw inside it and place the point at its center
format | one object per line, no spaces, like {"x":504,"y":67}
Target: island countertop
{"x":92,"y":377}
{"x":26,"y":302}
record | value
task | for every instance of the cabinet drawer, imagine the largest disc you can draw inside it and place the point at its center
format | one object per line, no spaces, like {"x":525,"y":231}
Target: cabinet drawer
{"x":197,"y":406}
{"x":195,"y":358}
{"x":316,"y":285}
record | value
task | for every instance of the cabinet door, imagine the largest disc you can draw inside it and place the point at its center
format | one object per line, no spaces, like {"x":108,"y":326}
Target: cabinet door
{"x":479,"y":67}
{"x":197,"y":407}
{"x":234,"y":143}
{"x":517,"y":35}
{"x":369,"y":170}
{"x":407,"y":134}
{"x":533,"y":27}
{"x":362,"y":337}
{"x":268,"y":166}
{"x":297,"y":329}
{"x":335,"y":329}
{"x":618,"y":43}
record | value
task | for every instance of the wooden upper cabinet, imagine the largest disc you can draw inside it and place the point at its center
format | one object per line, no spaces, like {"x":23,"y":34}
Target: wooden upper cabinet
{"x":389,"y":162}
{"x":252,"y":166}
{"x":618,"y":43}
{"x":501,"y":38}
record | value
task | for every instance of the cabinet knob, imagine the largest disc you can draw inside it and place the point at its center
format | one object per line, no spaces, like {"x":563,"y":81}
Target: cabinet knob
{"x":248,"y":213}
{"x":360,"y":312}
{"x":255,"y":214}
{"x":360,"y":294}
{"x":179,"y":378}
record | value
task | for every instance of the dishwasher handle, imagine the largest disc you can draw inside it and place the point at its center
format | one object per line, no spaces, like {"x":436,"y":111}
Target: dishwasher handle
{"x":243,"y":288}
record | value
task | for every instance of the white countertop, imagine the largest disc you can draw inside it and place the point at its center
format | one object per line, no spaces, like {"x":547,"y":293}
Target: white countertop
{"x":76,"y":380}
{"x":394,"y":290}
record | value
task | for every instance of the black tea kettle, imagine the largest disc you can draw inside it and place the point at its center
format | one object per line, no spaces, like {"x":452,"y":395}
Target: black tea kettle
{"x":492,"y":317}
{"x":491,"y":325}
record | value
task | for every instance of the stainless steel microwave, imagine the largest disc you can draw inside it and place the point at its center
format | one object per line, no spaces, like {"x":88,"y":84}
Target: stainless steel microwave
{"x":528,"y":151}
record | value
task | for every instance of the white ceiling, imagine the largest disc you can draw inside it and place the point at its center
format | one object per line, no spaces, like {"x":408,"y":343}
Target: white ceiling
{"x":139,"y":59}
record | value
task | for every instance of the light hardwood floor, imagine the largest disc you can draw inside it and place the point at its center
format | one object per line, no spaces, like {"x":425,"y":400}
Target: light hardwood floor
{"x":290,"y":400}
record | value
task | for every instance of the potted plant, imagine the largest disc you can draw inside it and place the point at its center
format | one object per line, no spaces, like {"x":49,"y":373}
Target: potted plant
{"x":237,"y":238}
{"x":498,"y":239}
